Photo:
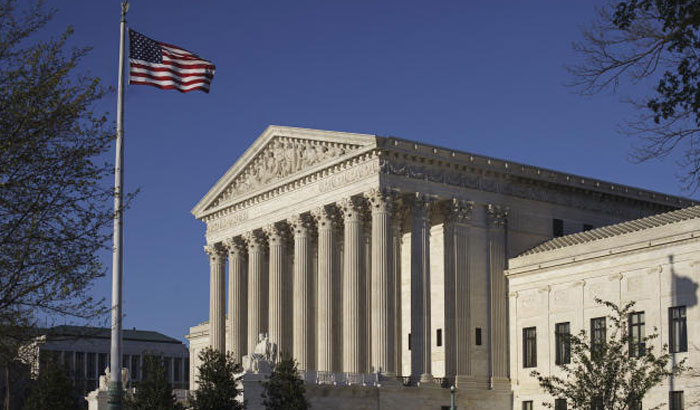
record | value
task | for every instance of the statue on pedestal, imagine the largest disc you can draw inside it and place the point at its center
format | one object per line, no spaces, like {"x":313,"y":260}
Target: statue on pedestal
{"x":262,"y":358}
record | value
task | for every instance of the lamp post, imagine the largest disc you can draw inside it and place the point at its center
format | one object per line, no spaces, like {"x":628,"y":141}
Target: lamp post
{"x":452,"y":394}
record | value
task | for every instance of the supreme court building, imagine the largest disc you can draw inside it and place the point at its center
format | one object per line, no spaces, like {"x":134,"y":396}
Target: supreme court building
{"x":378,"y":263}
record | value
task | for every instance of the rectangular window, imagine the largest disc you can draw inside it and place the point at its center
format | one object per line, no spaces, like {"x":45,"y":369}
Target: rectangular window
{"x":678,"y":332}
{"x":68,"y":363}
{"x":438,"y":337}
{"x":675,"y":400}
{"x":101,"y":363}
{"x":79,"y":365}
{"x":177,"y":364}
{"x":563,"y":344}
{"x":560,"y":404}
{"x":527,"y":405}
{"x":409,"y":341}
{"x":557,"y":227}
{"x":530,"y":347}
{"x":598,"y":338}
{"x":187,"y":372}
{"x":636,"y":331}
{"x":166,"y":364}
{"x":91,"y":366}
{"x":478,"y":336}
{"x":587,"y":227}
{"x":135,"y":367}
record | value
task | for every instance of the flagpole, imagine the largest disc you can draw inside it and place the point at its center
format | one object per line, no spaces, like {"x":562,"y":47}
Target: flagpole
{"x":114,"y":394}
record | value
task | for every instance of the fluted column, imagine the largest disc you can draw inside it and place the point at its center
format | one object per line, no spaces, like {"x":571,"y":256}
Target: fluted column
{"x":499,"y":293}
{"x":217,"y":296}
{"x":276,"y":251}
{"x":421,"y":359}
{"x":396,"y":240}
{"x":457,"y":288}
{"x":352,"y":265}
{"x":325,"y":286}
{"x":301,"y":304}
{"x":382,"y":286}
{"x":237,"y":300}
{"x":256,"y":292}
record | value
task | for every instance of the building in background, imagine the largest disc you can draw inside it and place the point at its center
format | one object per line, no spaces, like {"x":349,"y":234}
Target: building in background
{"x":378,"y":263}
{"x":653,"y":261}
{"x":84,"y":352}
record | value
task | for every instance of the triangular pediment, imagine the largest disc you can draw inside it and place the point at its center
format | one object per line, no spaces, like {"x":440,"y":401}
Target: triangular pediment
{"x":279,"y":154}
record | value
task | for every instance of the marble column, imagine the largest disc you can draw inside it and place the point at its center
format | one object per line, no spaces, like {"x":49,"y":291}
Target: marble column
{"x":457,"y":288}
{"x":217,"y":296}
{"x":498,"y":302}
{"x":256,"y":291}
{"x":237,"y":298}
{"x":382,"y":285}
{"x":352,"y":266}
{"x":325,"y":310}
{"x":421,"y":358}
{"x":396,"y":240}
{"x":366,"y":294}
{"x":301,"y":302}
{"x":276,"y":278}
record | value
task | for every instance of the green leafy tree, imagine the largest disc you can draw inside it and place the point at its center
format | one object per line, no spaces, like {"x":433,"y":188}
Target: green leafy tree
{"x":55,"y":191}
{"x":611,"y":374}
{"x":53,"y":390}
{"x":654,"y":44}
{"x":218,"y":385}
{"x":284,"y":389}
{"x":153,"y":392}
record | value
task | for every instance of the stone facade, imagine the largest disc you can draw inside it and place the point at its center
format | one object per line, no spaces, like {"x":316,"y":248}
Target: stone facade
{"x":654,"y":262}
{"x":380,"y":261}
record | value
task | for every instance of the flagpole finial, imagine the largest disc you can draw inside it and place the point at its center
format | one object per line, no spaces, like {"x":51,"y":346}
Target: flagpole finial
{"x":125,"y":8}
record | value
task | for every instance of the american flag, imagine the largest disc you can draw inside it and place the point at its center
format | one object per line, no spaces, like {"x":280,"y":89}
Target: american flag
{"x":166,"y":66}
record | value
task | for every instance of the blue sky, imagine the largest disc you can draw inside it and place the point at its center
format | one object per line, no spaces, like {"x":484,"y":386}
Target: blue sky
{"x":485,"y":77}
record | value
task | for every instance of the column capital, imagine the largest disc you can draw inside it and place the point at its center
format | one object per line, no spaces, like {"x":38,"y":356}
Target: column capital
{"x":234,"y":246}
{"x":324,"y":215}
{"x":254,"y":239}
{"x":496,"y":215}
{"x":380,"y":200}
{"x":275,"y":232}
{"x":421,"y":205}
{"x":300,"y":223}
{"x":215,"y":251}
{"x":458,"y":211}
{"x":351,"y":208}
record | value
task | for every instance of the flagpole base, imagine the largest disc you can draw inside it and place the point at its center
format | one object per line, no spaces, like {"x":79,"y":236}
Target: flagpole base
{"x":114,"y":395}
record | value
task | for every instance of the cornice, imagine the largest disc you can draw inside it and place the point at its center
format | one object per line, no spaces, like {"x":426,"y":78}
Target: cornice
{"x":398,"y":149}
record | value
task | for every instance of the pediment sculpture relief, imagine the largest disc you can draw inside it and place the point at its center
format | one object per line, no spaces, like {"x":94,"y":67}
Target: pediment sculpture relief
{"x":282,"y":157}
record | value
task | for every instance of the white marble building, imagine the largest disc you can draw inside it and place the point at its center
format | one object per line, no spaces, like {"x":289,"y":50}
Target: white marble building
{"x":374,"y":258}
{"x":654,"y":262}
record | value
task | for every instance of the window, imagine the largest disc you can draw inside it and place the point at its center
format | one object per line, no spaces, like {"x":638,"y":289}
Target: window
{"x":177,"y":363}
{"x":675,"y":400}
{"x":135,"y":367}
{"x":79,"y":365}
{"x":560,"y":404}
{"x":91,"y":366}
{"x":587,"y":227}
{"x":678,"y":332}
{"x":478,"y":336}
{"x":597,"y":336}
{"x":527,"y":405}
{"x":438,"y":337}
{"x":187,"y":372}
{"x":530,"y":347}
{"x":636,"y":325}
{"x":409,"y":341}
{"x":557,"y":227}
{"x":166,"y":364}
{"x":101,"y":363}
{"x":563,"y":344}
